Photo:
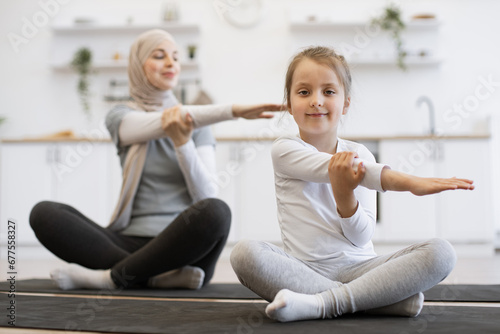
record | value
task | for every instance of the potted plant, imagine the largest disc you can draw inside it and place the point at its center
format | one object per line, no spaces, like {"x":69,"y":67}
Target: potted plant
{"x":191,"y":51}
{"x":390,"y":20}
{"x":81,"y":63}
{"x":2,"y":119}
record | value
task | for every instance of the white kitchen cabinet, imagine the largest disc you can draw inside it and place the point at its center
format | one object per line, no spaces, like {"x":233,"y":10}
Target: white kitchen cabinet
{"x":404,"y":217}
{"x":87,"y":176}
{"x":82,"y":174}
{"x":466,"y":215}
{"x":246,"y":179}
{"x":459,"y":216}
{"x":227,"y":172}
{"x":24,"y":180}
{"x":257,"y":212}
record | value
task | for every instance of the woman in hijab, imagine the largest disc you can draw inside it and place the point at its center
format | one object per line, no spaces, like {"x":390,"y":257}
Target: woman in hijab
{"x":167,"y":230}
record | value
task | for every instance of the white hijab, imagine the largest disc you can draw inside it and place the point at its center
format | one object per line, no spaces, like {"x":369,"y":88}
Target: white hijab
{"x":146,"y":97}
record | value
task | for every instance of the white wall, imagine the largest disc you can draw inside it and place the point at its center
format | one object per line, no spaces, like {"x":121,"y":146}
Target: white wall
{"x":248,"y":65}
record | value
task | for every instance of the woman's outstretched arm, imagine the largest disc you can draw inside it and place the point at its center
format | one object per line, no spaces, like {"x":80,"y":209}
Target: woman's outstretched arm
{"x":139,"y":127}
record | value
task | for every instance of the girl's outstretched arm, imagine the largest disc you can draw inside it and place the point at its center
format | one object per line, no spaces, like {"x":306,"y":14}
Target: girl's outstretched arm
{"x":397,"y":181}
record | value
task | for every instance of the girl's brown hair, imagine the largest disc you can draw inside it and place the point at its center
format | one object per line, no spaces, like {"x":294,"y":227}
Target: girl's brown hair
{"x":322,"y":55}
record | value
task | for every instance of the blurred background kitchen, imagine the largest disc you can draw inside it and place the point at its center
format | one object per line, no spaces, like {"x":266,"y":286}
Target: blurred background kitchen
{"x":429,"y":107}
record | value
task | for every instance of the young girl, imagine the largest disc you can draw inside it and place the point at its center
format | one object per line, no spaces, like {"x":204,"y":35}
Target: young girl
{"x":326,"y":213}
{"x":167,"y":230}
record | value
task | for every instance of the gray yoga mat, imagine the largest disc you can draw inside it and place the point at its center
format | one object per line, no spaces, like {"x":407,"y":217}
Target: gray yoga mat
{"x":157,"y":316}
{"x":441,"y":292}
{"x":212,"y":291}
{"x":463,"y":293}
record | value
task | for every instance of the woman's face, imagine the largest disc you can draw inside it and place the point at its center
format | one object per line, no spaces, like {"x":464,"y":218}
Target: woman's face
{"x":162,"y":68}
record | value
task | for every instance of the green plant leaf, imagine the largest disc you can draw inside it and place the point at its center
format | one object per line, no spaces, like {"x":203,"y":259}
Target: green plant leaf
{"x":390,"y":20}
{"x":82,"y":64}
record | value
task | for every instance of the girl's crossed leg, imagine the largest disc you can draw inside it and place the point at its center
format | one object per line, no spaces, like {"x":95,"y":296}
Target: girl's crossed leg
{"x":389,"y":284}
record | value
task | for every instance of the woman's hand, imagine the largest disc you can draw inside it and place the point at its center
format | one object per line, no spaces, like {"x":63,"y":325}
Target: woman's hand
{"x":256,"y":111}
{"x":176,"y":128}
{"x":344,"y":179}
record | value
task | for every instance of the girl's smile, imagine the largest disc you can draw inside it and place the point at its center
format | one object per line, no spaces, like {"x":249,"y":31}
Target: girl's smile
{"x":316,"y":115}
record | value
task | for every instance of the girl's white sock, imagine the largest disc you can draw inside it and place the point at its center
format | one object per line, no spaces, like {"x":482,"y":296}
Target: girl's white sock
{"x":292,"y":306}
{"x":409,"y":307}
{"x":74,"y":276}
{"x":186,"y":277}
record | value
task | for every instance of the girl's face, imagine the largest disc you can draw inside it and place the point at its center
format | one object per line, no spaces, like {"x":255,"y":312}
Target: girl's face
{"x":162,"y":67}
{"x":316,"y":100}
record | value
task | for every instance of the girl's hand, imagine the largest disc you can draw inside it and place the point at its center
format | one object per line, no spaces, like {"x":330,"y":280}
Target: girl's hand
{"x":342,"y":176}
{"x":397,"y":181}
{"x":256,"y":111}
{"x":176,"y":128}
{"x":429,"y":185}
{"x":344,"y":180}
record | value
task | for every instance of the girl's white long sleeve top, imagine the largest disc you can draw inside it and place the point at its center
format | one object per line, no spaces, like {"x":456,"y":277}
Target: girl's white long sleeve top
{"x":311,"y":228}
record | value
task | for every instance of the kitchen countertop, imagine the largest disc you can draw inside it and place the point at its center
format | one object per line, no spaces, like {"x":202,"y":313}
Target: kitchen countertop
{"x":373,"y":138}
{"x":238,"y":139}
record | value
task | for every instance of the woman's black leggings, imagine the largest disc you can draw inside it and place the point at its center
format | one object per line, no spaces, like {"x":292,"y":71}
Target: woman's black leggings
{"x":196,"y":238}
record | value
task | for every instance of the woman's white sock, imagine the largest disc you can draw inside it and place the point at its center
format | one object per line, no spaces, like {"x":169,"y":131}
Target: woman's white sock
{"x":74,"y":276}
{"x":186,"y":277}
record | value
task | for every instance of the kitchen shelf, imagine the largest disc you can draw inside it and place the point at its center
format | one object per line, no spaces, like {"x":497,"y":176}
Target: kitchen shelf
{"x":411,"y":25}
{"x":410,"y":61}
{"x":172,"y":28}
{"x":118,"y":64}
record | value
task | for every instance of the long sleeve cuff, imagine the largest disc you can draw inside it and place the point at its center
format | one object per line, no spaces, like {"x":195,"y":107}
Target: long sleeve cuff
{"x":207,"y":115}
{"x":372,"y":179}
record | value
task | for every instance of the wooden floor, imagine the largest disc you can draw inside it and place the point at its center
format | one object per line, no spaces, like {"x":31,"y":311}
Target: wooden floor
{"x":469,"y":270}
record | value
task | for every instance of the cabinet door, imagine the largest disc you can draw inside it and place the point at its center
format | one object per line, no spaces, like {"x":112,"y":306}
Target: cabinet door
{"x":403,"y":216}
{"x":254,"y":216}
{"x":227,"y":172}
{"x":466,"y":216}
{"x":257,"y":193}
{"x":25,"y":180}
{"x":82,"y":180}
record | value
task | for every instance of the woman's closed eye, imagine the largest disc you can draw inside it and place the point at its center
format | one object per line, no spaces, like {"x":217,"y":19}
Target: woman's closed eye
{"x":159,"y":55}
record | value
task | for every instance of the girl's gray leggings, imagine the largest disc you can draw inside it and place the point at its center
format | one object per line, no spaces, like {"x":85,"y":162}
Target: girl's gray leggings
{"x":380,"y":281}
